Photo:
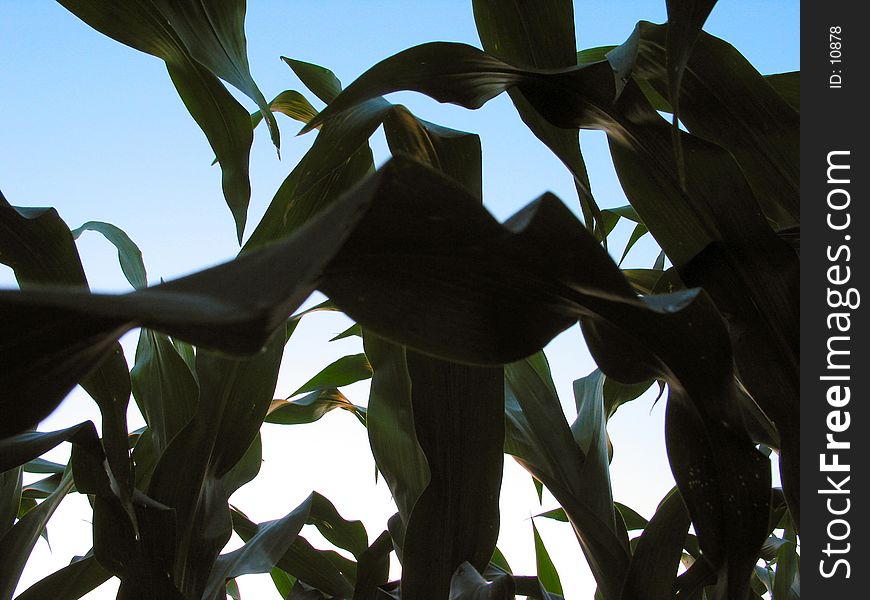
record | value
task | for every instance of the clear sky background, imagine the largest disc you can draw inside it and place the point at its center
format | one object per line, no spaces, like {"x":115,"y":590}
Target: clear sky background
{"x":96,"y":130}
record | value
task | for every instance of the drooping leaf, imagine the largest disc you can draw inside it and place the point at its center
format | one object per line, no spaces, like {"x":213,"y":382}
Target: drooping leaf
{"x":40,"y":465}
{"x":200,"y":43}
{"x":19,"y":449}
{"x":129,"y":255}
{"x":468,"y":584}
{"x":41,"y":488}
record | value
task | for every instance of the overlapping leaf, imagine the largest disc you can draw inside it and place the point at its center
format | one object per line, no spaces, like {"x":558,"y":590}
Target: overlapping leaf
{"x":522,"y":283}
{"x":18,"y":541}
{"x":200,"y":42}
{"x":539,"y":437}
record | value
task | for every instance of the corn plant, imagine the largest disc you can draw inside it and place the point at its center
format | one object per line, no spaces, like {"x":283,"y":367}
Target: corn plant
{"x":453,"y":308}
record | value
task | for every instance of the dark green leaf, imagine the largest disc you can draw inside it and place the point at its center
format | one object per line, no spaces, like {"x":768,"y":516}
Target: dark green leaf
{"x":40,"y":465}
{"x":312,"y":407}
{"x":786,"y":583}
{"x":498,"y":559}
{"x":723,"y":222}
{"x":38,"y":245}
{"x":557,"y":514}
{"x":787,"y":85}
{"x":262,"y":551}
{"x":590,"y":433}
{"x":42,"y":488}
{"x":725,"y":100}
{"x":75,"y":580}
{"x":344,"y":371}
{"x":321,"y":81}
{"x":685,"y":20}
{"x":391,"y":425}
{"x":374,"y":568}
{"x":246,"y":469}
{"x":129,"y":254}
{"x":18,"y":542}
{"x":539,"y":437}
{"x":522,"y":276}
{"x":10,"y":498}
{"x":547,"y":573}
{"x":227,"y":126}
{"x":232,"y":590}
{"x":539,"y":35}
{"x":457,"y":411}
{"x":657,"y":555}
{"x":291,"y":103}
{"x":199,"y":42}
{"x":20,"y":449}
{"x":283,"y":582}
{"x":190,"y":476}
{"x":467,"y":584}
{"x":630,"y":517}
{"x":353,"y":330}
{"x":454,"y":153}
{"x":301,"y":560}
{"x":164,"y":387}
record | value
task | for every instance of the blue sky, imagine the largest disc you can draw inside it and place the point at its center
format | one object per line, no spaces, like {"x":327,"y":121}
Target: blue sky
{"x":96,"y":129}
